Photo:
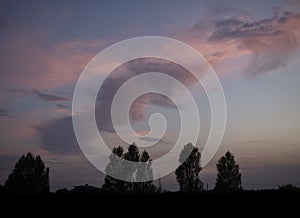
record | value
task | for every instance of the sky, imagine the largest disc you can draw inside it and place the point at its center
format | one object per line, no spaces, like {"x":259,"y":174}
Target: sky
{"x":253,"y":46}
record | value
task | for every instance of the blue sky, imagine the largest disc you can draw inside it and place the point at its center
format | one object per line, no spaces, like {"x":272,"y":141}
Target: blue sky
{"x":252,"y":46}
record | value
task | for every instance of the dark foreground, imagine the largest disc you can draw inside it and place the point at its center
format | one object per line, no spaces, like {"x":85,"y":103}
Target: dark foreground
{"x":170,"y":204}
{"x":260,"y":197}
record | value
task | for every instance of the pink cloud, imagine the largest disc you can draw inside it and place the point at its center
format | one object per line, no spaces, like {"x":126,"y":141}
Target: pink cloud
{"x":14,"y":131}
{"x":272,"y":42}
{"x":27,"y":61}
{"x":274,"y":51}
{"x":269,"y":43}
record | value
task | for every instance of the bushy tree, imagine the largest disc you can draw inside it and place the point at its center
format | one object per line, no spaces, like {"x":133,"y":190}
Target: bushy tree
{"x":228,"y":177}
{"x":29,"y":176}
{"x":187,"y":174}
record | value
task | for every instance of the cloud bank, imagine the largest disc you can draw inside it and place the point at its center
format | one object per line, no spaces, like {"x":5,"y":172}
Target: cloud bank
{"x":58,"y":136}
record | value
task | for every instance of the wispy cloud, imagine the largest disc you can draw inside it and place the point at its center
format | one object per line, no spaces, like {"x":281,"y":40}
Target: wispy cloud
{"x":49,"y":97}
{"x":42,"y":95}
{"x":239,"y":27}
{"x":267,"y":44}
{"x":6,"y":113}
{"x":62,"y":107}
{"x":271,"y":41}
{"x":40,"y":65}
{"x":151,"y":139}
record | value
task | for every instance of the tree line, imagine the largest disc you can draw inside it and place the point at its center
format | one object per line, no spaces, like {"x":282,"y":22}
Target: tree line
{"x":30,"y":176}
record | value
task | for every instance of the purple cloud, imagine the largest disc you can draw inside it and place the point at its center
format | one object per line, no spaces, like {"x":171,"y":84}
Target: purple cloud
{"x":42,"y":95}
{"x":125,"y":72}
{"x":49,"y":97}
{"x":237,"y":27}
{"x":271,"y":41}
{"x":62,"y":107}
{"x":5,"y":113}
{"x":58,"y":136}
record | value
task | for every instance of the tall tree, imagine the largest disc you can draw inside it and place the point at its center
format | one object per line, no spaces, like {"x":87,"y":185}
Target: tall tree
{"x":187,"y":174}
{"x":145,"y":175}
{"x":120,"y":165}
{"x":132,"y":156}
{"x":29,"y":176}
{"x":228,"y":177}
{"x":114,"y":168}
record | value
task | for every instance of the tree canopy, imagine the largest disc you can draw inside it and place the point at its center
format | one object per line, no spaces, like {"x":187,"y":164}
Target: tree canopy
{"x":228,"y":177}
{"x":28,"y":176}
{"x":187,"y":174}
{"x":119,"y":167}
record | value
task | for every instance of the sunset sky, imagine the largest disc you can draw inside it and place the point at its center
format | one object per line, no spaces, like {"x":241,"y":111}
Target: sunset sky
{"x":253,"y":47}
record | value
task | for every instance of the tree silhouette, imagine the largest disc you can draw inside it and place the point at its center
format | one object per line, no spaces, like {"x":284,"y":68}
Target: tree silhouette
{"x":187,"y":174}
{"x":289,"y":188}
{"x":228,"y":177}
{"x":128,"y":170}
{"x":145,"y":174}
{"x":1,"y":189}
{"x":132,"y":155}
{"x":29,"y":176}
{"x":114,"y":168}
